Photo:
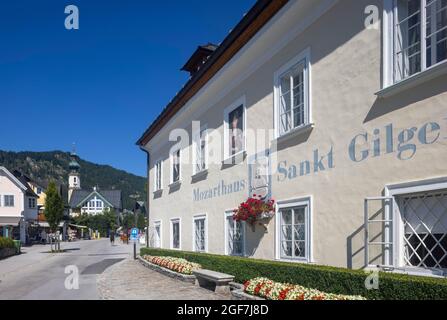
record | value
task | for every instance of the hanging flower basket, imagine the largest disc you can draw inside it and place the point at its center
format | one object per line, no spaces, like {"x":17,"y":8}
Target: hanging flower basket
{"x":255,"y":209}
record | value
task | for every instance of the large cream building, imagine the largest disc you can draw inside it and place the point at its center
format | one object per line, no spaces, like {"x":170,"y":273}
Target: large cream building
{"x":352,"y":95}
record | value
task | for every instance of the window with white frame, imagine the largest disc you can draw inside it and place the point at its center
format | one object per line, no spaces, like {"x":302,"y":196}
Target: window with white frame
{"x":175,"y":166}
{"x":292,"y":106}
{"x":424,"y":229}
{"x":94,"y":205}
{"x":158,"y":184}
{"x":234,"y":128}
{"x":235,"y":236}
{"x":175,"y":234}
{"x":418,"y":36}
{"x":157,"y":234}
{"x":293,"y":230}
{"x":8,"y":201}
{"x":199,"y":233}
{"x":200,"y":151}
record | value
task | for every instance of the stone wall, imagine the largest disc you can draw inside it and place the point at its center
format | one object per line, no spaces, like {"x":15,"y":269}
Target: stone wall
{"x":7,"y":252}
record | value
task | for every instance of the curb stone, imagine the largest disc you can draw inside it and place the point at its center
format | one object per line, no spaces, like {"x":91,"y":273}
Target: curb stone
{"x":239,"y":294}
{"x":101,"y":281}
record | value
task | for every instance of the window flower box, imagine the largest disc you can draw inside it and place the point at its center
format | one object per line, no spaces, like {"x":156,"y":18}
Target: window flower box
{"x":254,"y":210}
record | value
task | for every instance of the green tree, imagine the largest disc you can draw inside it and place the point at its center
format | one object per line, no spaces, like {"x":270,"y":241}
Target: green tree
{"x":82,"y":220}
{"x":141,"y":221}
{"x":104,"y":222}
{"x":54,"y":207}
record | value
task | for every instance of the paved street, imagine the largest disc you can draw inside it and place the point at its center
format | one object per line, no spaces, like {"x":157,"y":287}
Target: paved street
{"x":105,"y":272}
{"x":37,"y":274}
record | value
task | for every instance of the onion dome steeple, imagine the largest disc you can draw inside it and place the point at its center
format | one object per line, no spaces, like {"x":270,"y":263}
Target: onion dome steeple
{"x":74,"y":165}
{"x":74,"y":177}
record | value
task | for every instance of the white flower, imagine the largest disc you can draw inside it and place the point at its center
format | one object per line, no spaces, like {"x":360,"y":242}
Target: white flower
{"x":175,"y":264}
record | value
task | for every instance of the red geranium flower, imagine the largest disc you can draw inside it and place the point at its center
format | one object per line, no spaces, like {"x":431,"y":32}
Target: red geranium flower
{"x":251,"y":209}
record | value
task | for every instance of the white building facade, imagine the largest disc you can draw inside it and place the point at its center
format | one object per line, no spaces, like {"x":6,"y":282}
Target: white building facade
{"x":345,"y":104}
{"x":18,"y":206}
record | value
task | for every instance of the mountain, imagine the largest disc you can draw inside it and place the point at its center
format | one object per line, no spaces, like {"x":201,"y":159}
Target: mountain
{"x":45,"y":166}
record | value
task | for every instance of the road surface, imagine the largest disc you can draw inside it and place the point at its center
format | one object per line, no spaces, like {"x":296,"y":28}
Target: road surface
{"x":37,"y":274}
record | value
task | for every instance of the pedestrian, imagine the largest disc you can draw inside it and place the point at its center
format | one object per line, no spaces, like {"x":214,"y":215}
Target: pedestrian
{"x":43,"y":237}
{"x":112,"y":238}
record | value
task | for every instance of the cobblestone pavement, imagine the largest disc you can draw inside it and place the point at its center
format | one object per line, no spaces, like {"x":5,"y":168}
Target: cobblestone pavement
{"x":129,"y":280}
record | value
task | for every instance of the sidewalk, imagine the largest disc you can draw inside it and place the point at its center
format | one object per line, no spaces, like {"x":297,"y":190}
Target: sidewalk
{"x":129,"y":280}
{"x":29,"y":257}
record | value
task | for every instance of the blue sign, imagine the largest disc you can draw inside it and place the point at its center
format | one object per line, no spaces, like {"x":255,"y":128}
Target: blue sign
{"x":134,"y":234}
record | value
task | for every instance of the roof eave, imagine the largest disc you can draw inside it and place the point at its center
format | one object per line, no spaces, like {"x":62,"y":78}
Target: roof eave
{"x":249,"y":19}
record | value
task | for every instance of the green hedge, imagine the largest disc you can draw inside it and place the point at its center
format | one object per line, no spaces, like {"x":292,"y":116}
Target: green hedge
{"x":6,"y":243}
{"x":392,"y":286}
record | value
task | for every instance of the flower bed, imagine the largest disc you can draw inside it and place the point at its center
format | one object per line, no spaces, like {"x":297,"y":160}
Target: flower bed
{"x":175,"y":264}
{"x":270,"y":290}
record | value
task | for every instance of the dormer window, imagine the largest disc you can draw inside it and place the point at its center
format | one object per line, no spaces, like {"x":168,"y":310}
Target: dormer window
{"x":199,"y":58}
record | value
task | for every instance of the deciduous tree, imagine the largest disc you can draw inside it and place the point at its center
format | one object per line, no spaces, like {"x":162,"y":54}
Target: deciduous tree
{"x":54,"y":207}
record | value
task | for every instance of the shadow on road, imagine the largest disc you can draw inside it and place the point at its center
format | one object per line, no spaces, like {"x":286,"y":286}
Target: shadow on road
{"x":100,"y":267}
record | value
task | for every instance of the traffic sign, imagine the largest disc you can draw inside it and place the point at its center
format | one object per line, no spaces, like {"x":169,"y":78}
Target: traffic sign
{"x":134,"y":234}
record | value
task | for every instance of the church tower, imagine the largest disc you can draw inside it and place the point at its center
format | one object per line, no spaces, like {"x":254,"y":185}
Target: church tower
{"x":74,"y":177}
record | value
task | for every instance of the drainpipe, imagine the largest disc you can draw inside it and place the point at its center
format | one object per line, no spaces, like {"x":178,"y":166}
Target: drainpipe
{"x":147,"y":195}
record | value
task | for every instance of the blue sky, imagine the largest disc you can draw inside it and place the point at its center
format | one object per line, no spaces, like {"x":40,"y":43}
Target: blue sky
{"x":102,"y":85}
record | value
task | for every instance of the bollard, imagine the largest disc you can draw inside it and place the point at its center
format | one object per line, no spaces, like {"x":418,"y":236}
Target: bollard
{"x":135,"y":250}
